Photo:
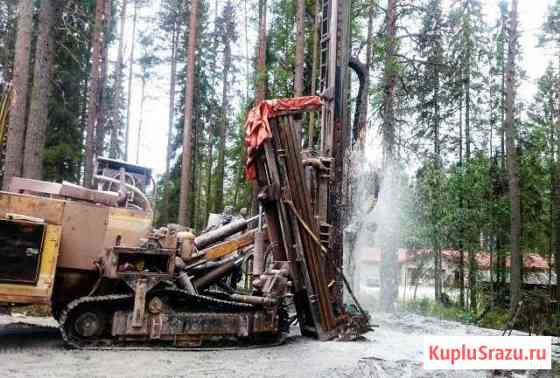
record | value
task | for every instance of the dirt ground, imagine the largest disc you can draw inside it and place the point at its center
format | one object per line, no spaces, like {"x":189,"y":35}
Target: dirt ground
{"x":32,"y":347}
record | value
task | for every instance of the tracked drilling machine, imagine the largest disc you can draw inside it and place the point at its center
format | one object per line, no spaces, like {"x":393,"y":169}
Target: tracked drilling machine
{"x":113,"y":280}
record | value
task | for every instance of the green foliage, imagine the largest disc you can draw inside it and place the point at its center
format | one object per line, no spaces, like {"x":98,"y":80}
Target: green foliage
{"x":67,"y":103}
{"x":496,"y":318}
{"x":207,"y":113}
{"x":7,"y":39}
{"x":434,"y":309}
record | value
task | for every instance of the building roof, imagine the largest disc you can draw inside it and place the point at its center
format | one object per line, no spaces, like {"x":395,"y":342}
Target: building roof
{"x":531,"y":261}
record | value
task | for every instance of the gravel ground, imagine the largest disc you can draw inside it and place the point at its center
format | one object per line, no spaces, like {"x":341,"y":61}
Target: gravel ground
{"x":32,"y":347}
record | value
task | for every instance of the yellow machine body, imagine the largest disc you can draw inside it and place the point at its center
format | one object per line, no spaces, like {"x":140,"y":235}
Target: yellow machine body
{"x":73,"y":236}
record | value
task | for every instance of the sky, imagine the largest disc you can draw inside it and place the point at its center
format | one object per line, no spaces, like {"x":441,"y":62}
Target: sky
{"x":154,"y":132}
{"x":534,"y":59}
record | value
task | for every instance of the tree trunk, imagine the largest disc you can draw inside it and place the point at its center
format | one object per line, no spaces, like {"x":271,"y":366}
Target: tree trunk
{"x":18,"y":107}
{"x":35,"y":135}
{"x":261,"y":54}
{"x":300,"y":57}
{"x":220,"y":174}
{"x":502,"y":97}
{"x":216,"y":119}
{"x":261,"y":80}
{"x":471,"y":252}
{"x":315,"y":70}
{"x":390,"y":83}
{"x":172,"y":91}
{"x":6,"y":61}
{"x":187,"y":130}
{"x":84,"y":90}
{"x":461,"y":204}
{"x":436,"y":209}
{"x":555,"y":204}
{"x":194,"y":188}
{"x":389,"y":265}
{"x":513,"y":164}
{"x":93,"y":91}
{"x":209,"y":168}
{"x":130,"y":77}
{"x":247,"y":60}
{"x":102,"y":108}
{"x":141,"y":118}
{"x":361,"y":116}
{"x":114,"y":146}
{"x":555,"y":181}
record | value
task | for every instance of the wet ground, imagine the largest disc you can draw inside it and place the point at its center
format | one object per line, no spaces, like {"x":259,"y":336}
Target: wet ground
{"x":32,"y":347}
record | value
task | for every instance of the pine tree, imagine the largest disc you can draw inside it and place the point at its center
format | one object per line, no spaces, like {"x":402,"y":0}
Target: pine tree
{"x":261,"y":54}
{"x":103,"y":114}
{"x":35,"y":135}
{"x":229,"y":36}
{"x":130,"y":78}
{"x":18,"y":109}
{"x":467,"y":49}
{"x":299,"y":55}
{"x":389,"y":264}
{"x":314,"y":69}
{"x":175,"y":34}
{"x":431,"y":90}
{"x":551,"y":32}
{"x":186,"y":167}
{"x":147,"y":62}
{"x":8,"y":19}
{"x":513,"y":162}
{"x":93,"y":91}
{"x":116,"y":126}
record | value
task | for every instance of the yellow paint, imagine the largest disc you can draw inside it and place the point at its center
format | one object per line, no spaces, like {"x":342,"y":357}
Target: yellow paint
{"x":229,"y":246}
{"x":42,"y":291}
{"x":222,"y":250}
{"x":120,"y":218}
{"x":131,"y":226}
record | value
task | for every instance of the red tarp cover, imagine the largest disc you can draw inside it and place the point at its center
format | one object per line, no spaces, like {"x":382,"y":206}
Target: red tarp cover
{"x":257,"y":128}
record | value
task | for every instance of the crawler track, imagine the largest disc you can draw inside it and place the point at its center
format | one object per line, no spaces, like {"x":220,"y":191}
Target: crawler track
{"x":108,"y":304}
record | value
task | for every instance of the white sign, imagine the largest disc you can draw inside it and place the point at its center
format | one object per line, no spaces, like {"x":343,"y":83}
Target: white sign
{"x":487,"y":352}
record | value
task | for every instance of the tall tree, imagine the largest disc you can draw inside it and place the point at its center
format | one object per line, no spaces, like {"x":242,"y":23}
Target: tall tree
{"x":130,"y":78}
{"x":261,"y":75}
{"x":551,"y":35}
{"x":431,"y":101}
{"x":300,"y":55}
{"x":261,"y":53}
{"x":148,"y":60}
{"x":229,"y":35}
{"x":103,"y":115}
{"x":93,"y":91}
{"x":63,"y":155}
{"x":513,"y":161}
{"x":18,"y":107}
{"x":315,"y":69}
{"x":389,"y":264}
{"x":467,"y":51}
{"x":188,"y":121}
{"x":35,"y":135}
{"x":363,"y":72}
{"x":8,"y":18}
{"x":116,"y":107}
{"x":175,"y":33}
{"x":143,"y":81}
{"x":216,"y":115}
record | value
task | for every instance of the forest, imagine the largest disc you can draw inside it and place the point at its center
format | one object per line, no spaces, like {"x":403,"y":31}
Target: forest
{"x":441,"y":86}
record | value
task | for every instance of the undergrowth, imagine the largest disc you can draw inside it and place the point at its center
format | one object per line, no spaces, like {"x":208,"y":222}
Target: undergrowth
{"x":431,"y":308}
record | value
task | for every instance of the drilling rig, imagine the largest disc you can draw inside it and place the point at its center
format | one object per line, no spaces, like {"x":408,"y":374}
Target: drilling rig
{"x":114,"y":281}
